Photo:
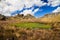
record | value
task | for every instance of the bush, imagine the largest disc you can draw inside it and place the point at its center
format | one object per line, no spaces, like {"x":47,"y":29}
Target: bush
{"x":2,"y":17}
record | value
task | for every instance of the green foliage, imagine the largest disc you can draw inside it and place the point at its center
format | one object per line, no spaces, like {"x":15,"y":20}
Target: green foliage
{"x":32,"y":25}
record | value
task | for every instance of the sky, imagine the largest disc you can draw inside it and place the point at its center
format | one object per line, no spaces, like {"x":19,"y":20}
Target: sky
{"x":37,"y":8}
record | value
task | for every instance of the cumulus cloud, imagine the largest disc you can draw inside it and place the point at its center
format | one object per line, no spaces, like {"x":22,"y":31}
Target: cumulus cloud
{"x":35,"y":10}
{"x":8,"y":6}
{"x":54,"y":3}
{"x":56,"y":10}
{"x":29,"y":12}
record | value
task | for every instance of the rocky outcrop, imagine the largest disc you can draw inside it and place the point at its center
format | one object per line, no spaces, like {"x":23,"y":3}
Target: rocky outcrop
{"x":29,"y":16}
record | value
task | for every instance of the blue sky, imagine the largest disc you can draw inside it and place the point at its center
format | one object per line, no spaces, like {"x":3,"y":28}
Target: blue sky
{"x":41,"y":12}
{"x":38,"y":8}
{"x":45,"y":10}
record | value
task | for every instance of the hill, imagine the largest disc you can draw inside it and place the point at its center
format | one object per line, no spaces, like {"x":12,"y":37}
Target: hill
{"x":51,"y":18}
{"x":48,"y":18}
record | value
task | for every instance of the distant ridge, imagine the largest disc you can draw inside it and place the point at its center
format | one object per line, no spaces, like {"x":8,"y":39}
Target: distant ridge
{"x":48,"y":18}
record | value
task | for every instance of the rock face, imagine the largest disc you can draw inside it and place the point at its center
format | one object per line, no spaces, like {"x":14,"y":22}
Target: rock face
{"x":20,"y":15}
{"x":14,"y":33}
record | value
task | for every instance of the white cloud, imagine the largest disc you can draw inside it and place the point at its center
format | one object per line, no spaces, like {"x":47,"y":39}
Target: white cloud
{"x":54,"y":3}
{"x":39,"y":2}
{"x":30,"y":3}
{"x":8,"y":6}
{"x":35,"y":10}
{"x":56,"y":10}
{"x":7,"y":14}
{"x":29,"y":11}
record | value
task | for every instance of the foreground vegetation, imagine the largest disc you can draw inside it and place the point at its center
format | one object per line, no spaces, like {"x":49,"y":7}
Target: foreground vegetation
{"x":16,"y":33}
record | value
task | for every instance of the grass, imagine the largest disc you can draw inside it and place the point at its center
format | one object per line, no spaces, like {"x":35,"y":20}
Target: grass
{"x":32,"y":25}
